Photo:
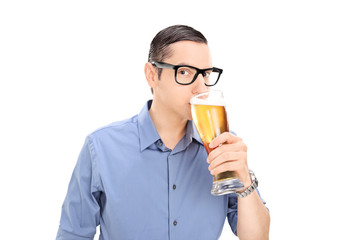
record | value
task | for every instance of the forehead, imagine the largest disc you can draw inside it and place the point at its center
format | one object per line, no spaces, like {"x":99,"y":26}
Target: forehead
{"x":190,"y":53}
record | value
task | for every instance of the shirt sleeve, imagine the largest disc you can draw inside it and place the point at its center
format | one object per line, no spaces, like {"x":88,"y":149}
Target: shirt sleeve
{"x":80,"y":212}
{"x":232,"y":213}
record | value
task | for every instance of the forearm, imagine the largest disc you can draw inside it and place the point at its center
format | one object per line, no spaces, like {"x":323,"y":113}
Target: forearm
{"x":230,"y":154}
{"x":253,"y":218}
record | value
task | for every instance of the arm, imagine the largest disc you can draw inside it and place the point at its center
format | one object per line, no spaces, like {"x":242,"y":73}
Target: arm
{"x":231,"y":155}
{"x":253,"y":218}
{"x":80,"y":211}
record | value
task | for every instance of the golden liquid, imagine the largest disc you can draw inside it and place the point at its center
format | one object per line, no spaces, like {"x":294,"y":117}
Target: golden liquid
{"x":210,"y":122}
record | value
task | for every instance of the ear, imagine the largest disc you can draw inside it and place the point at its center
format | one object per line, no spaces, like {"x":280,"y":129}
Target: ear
{"x":150,"y":74}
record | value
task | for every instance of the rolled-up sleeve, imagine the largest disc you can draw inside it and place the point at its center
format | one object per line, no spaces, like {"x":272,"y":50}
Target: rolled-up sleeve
{"x":232,"y":212}
{"x":81,"y":211}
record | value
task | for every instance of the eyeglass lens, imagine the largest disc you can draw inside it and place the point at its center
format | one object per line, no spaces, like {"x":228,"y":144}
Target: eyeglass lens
{"x":186,"y":75}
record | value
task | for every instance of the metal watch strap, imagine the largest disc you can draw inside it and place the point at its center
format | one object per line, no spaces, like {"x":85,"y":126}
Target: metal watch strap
{"x":251,"y":188}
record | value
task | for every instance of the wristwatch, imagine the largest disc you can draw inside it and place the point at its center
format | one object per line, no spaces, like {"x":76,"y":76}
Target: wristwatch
{"x":251,"y":188}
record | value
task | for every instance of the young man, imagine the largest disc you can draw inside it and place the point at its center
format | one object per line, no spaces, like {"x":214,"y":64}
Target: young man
{"x":149,"y":177}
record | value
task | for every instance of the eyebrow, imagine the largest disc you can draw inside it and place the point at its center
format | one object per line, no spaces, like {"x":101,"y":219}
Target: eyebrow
{"x":183,"y":63}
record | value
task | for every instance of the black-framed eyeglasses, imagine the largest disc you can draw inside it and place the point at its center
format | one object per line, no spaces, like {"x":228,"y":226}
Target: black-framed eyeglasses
{"x":186,"y":75}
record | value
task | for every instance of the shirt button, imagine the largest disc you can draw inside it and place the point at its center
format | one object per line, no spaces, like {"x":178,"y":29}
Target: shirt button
{"x":174,"y":186}
{"x":160,"y":143}
{"x":175,"y":223}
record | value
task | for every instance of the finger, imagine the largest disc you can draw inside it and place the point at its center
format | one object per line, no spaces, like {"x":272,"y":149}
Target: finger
{"x":227,"y":166}
{"x":243,"y":147}
{"x":240,"y":157}
{"x":236,"y":147}
{"x":225,"y":137}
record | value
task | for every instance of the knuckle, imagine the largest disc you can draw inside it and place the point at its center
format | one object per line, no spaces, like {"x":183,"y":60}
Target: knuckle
{"x":220,"y":149}
{"x":243,"y":146}
{"x":213,"y":164}
{"x":243,"y":156}
{"x":239,"y":155}
{"x":216,"y":163}
{"x":239,"y":139}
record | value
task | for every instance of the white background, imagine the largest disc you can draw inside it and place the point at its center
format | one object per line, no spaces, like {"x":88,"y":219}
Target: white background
{"x":291,"y":79}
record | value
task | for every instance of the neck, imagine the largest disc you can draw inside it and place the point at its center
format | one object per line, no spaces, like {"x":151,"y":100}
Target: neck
{"x":169,"y":125}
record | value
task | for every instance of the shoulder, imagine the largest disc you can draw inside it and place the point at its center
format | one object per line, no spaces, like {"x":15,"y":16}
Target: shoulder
{"x":116,"y":129}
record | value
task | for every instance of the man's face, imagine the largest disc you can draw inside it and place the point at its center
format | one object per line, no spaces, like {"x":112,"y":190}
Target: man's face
{"x":175,"y":98}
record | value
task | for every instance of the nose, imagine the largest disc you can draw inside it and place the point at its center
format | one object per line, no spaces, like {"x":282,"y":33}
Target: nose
{"x":199,"y":85}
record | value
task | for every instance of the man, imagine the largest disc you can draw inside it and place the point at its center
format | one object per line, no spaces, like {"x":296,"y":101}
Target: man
{"x":149,"y":177}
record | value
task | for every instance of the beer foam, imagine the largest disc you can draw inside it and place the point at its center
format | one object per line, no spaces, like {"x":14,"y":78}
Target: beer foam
{"x":211,"y":101}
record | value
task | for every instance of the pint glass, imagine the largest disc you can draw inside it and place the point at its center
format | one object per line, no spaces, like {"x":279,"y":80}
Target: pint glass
{"x":209,"y":115}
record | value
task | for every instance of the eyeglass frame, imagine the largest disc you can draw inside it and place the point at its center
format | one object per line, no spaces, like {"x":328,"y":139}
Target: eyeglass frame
{"x":163,"y":65}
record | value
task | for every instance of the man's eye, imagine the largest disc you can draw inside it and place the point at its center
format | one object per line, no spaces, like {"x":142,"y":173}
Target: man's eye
{"x":207,"y":74}
{"x":183,"y":72}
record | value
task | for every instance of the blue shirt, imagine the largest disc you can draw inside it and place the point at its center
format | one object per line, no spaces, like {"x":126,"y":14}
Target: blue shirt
{"x":127,"y":181}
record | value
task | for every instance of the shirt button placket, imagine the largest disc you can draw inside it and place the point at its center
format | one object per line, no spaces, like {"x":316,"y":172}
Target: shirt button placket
{"x":175,"y":222}
{"x":172,"y":197}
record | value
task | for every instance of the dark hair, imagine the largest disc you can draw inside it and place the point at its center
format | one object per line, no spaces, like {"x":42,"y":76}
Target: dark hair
{"x":159,"y":47}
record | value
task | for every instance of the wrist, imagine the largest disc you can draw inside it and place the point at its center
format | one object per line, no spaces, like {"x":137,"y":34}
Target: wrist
{"x":249,"y":188}
{"x":245,"y":178}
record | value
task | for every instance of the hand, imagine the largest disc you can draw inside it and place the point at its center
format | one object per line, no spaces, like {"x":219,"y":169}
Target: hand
{"x":230,"y":154}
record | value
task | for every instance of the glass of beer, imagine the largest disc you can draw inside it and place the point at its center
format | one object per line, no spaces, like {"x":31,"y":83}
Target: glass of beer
{"x":209,"y":115}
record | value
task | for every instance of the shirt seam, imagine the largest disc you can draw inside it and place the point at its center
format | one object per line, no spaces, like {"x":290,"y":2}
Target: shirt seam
{"x":133,"y":120}
{"x":93,"y":155}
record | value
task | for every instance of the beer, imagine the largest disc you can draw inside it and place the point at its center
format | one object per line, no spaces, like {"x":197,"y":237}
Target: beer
{"x":210,"y":122}
{"x":209,"y":116}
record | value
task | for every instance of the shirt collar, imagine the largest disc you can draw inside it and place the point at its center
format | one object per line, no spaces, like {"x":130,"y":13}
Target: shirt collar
{"x":191,"y":132}
{"x":147,"y":130}
{"x":149,"y":135}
